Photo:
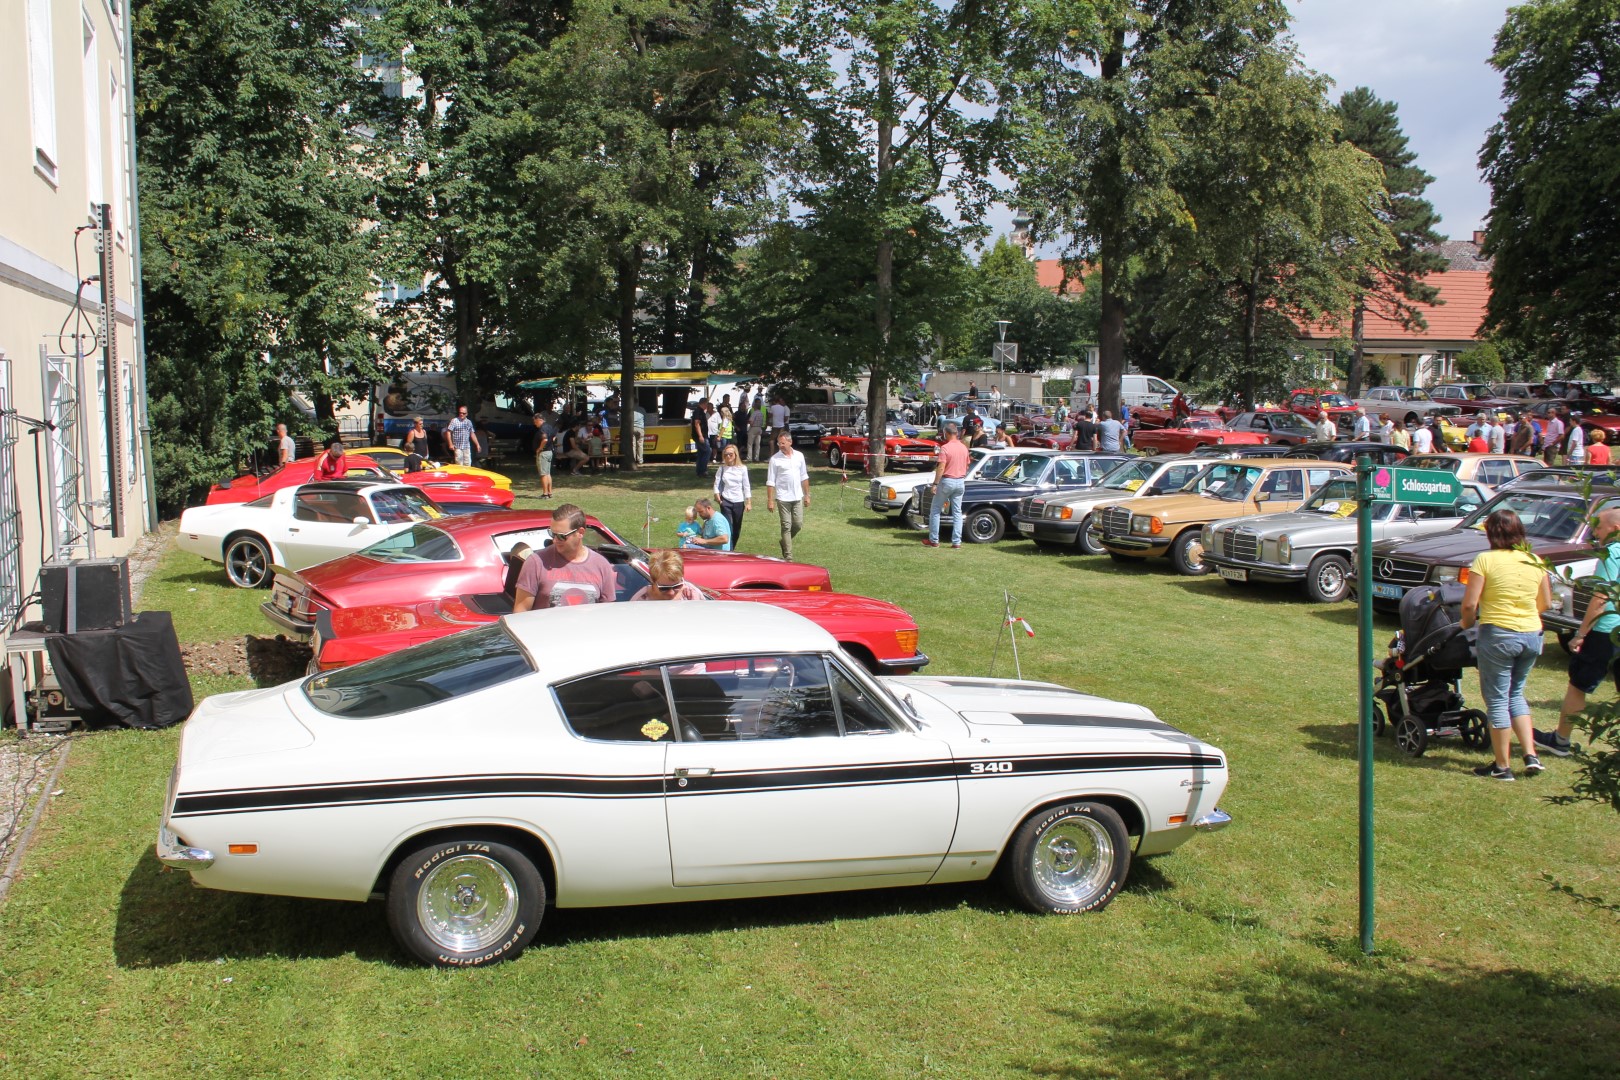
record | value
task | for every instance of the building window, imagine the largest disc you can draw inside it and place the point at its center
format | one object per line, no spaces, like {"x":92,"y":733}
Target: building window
{"x":42,"y":88}
{"x":94,"y":187}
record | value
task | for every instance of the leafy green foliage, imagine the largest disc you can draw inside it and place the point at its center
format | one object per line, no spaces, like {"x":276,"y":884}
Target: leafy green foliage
{"x":1553,"y":164}
{"x":1482,"y":363}
{"x":254,"y":243}
{"x":1050,"y":329}
{"x":1398,"y":284}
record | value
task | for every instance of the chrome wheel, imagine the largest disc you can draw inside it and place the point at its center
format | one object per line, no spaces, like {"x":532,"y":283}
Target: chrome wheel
{"x":1088,"y":545}
{"x":1072,"y":859}
{"x":467,"y":903}
{"x":247,"y":562}
{"x":835,"y":457}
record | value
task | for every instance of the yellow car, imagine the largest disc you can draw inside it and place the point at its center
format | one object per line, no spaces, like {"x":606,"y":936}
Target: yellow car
{"x":393,"y":459}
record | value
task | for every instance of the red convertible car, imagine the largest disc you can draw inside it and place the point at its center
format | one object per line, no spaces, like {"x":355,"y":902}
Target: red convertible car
{"x":1310,"y":403}
{"x":467,"y":555}
{"x":878,"y":634}
{"x":902,"y":452}
{"x":443,"y":487}
{"x":1195,"y":431}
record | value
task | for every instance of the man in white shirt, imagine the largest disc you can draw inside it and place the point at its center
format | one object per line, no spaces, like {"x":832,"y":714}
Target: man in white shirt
{"x":779,"y":416}
{"x":1575,"y":449}
{"x":1363,"y":430}
{"x":285,"y":447}
{"x":1496,"y":439}
{"x":1552,"y":437}
{"x":1423,"y":439}
{"x":787,"y":489}
{"x":1325,"y":431}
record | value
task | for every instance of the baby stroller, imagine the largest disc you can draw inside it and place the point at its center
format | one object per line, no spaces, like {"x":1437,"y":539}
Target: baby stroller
{"x":1419,"y":685}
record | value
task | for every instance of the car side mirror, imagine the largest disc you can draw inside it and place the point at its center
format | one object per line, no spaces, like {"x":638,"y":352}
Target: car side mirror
{"x":362,"y":521}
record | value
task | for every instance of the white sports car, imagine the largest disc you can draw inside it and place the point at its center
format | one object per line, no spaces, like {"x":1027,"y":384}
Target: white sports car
{"x":476,"y":779}
{"x":298,"y":527}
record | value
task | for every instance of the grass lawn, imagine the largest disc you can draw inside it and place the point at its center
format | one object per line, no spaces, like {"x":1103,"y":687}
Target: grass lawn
{"x":1235,"y":956}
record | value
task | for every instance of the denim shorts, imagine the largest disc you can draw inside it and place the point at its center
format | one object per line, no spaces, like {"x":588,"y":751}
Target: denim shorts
{"x":1505,"y":659}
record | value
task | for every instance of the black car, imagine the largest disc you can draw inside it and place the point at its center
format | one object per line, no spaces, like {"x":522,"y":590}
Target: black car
{"x":1280,"y":425}
{"x":1382,"y":453}
{"x":1557,"y":524}
{"x":988,"y":506}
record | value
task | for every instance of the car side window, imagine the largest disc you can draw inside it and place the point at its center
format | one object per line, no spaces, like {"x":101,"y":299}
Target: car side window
{"x":753,"y":697}
{"x":861,"y":715}
{"x":1492,"y":473}
{"x":1318,"y":477}
{"x":331,"y":506}
{"x":629,"y":705}
{"x":1284,"y":484}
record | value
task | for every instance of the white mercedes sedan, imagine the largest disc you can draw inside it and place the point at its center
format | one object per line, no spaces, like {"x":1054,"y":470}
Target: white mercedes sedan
{"x":595,"y":756}
{"x":298,"y":527}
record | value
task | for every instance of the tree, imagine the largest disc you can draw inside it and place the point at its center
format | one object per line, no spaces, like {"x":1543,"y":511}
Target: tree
{"x":1553,"y":164}
{"x":1109,"y":109}
{"x":1393,"y":291}
{"x":257,"y":262}
{"x":1049,"y":329}
{"x":1482,"y":363}
{"x":901,"y":114}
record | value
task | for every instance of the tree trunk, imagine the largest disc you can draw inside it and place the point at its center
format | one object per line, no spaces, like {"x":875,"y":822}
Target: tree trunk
{"x":1358,"y":334}
{"x":629,"y":276}
{"x":1111,"y":254}
{"x":877,"y":383}
{"x":1251,"y":331}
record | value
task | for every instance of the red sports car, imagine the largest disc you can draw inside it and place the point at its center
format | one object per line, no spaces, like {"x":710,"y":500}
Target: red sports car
{"x":443,"y":487}
{"x":878,"y":634}
{"x":1195,"y":431}
{"x":1310,"y":403}
{"x":902,"y":452}
{"x":467,"y":555}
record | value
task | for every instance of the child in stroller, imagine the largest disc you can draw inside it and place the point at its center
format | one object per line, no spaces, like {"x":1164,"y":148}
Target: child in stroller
{"x":1419,"y":686}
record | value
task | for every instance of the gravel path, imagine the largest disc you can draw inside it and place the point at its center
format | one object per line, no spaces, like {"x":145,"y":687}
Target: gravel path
{"x":28,"y":762}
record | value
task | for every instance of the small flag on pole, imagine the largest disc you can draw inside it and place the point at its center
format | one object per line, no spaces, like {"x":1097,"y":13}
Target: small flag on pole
{"x":1016,"y":621}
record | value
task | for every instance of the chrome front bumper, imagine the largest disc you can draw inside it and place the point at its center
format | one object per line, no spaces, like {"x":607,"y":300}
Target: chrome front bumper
{"x":172,"y":851}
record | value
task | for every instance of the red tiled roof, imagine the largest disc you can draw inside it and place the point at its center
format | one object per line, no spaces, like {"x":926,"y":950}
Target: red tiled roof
{"x":1465,"y":293}
{"x":1049,"y":275}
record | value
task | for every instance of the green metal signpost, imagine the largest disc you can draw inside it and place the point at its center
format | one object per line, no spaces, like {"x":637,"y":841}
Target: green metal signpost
{"x":1380,"y":483}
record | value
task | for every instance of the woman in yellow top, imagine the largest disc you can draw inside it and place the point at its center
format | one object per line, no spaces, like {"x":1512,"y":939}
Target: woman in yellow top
{"x":1507,"y":592}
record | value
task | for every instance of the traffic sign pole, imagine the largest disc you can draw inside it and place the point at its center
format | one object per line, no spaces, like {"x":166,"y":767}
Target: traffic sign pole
{"x":1364,"y":731}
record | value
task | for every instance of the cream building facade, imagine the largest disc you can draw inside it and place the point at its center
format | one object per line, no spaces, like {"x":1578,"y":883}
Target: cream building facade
{"x":73,"y":480}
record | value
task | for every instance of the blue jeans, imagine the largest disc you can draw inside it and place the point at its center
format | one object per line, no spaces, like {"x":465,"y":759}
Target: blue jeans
{"x":1505,"y":660}
{"x":950,"y":491}
{"x":703,"y":457}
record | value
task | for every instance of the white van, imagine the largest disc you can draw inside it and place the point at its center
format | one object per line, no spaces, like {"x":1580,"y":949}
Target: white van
{"x":1133,"y":390}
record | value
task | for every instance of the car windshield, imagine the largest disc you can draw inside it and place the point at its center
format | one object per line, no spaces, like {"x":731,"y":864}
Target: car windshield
{"x":1412,"y":393}
{"x":1336,"y":498}
{"x":1229,"y":482}
{"x":1335,"y":401}
{"x":421,"y":543}
{"x":1546,"y":516}
{"x":1025,"y":469}
{"x":399,"y":505}
{"x":423,"y":675}
{"x":1129,"y":475}
{"x":1438,"y":462}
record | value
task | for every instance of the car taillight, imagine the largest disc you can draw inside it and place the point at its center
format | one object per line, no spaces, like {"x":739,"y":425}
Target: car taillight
{"x":907,"y":640}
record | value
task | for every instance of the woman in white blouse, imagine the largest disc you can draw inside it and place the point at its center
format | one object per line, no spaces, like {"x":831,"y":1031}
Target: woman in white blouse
{"x":733,"y":491}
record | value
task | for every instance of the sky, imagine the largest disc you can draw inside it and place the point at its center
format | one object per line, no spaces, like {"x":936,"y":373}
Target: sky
{"x":1427,"y":56}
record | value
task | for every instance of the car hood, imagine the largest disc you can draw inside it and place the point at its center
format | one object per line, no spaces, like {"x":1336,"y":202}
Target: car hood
{"x":1181,"y":507}
{"x":242,"y":724}
{"x":1454,"y":546}
{"x":1297,"y":525}
{"x":1089,"y":497}
{"x":1005,"y":710}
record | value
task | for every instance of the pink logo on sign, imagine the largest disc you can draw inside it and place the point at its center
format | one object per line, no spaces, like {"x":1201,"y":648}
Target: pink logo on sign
{"x":1381,"y":478}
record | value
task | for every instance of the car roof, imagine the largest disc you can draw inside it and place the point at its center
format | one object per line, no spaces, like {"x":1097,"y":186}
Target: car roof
{"x":1469,"y":455}
{"x":1286,"y":462}
{"x":568,"y":642}
{"x":352,"y":486}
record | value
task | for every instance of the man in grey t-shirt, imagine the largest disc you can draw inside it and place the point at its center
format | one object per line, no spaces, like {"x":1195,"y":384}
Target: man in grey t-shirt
{"x":1110,"y":433}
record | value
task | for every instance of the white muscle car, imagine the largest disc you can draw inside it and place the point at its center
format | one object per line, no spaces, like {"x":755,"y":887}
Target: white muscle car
{"x":298,"y":527}
{"x":476,"y":779}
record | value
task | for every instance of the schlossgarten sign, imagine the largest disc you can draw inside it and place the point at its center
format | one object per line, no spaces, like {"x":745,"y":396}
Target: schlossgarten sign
{"x":1428,"y":486}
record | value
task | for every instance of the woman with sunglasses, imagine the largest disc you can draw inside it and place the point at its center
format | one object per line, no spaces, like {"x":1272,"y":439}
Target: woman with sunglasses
{"x":668,"y":572}
{"x":734,"y":491}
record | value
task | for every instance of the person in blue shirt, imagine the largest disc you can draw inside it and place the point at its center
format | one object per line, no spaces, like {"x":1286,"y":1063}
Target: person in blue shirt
{"x":1592,"y":649}
{"x":686,"y":532}
{"x":714,"y":531}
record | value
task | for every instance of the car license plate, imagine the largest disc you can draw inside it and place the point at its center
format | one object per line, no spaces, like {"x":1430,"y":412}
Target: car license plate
{"x":1026,"y":526}
{"x":1388,"y":592}
{"x":1232,"y":573}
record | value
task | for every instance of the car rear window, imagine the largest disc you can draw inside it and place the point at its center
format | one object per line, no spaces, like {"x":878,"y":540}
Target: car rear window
{"x":421,"y":543}
{"x":426,"y":674}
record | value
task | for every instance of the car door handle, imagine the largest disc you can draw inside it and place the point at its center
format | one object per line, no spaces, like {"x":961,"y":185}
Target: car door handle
{"x":292,"y":528}
{"x":694,"y":771}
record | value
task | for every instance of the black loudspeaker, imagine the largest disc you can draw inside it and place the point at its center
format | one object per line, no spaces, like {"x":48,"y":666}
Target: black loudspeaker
{"x":89,"y":594}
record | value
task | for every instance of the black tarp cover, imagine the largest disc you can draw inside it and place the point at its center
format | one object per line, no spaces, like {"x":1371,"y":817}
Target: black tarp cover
{"x":131,"y":677}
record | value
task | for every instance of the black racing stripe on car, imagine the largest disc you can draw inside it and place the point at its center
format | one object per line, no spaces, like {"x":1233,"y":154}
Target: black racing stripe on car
{"x":235,"y":802}
{"x":1070,"y":720}
{"x":192,"y":804}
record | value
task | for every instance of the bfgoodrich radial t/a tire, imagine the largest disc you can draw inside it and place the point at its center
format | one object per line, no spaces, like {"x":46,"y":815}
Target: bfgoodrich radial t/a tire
{"x":465,"y":902}
{"x":1069,"y":859}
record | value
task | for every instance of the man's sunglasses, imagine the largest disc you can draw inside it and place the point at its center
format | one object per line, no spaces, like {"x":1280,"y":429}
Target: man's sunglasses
{"x":556,"y":536}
